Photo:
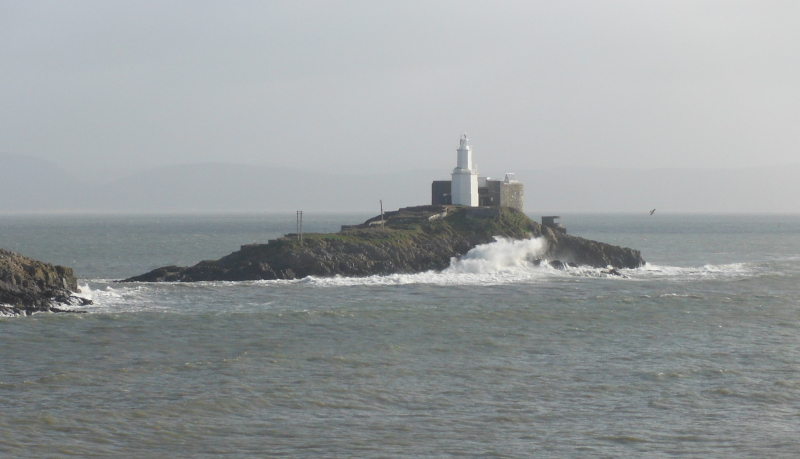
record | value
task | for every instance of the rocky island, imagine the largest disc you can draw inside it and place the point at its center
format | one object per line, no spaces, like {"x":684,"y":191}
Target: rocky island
{"x":410,"y":240}
{"x":28,"y":286}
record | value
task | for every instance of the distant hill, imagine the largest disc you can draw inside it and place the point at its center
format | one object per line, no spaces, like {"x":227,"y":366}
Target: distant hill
{"x":768,"y":189}
{"x":34,"y":185}
{"x":240,"y":187}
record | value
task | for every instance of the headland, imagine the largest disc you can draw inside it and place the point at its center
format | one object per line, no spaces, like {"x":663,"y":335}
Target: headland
{"x":28,"y":286}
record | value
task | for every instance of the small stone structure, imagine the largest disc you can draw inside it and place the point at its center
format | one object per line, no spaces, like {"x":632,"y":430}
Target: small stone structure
{"x":550,"y":222}
{"x":440,"y":193}
{"x":502,"y":193}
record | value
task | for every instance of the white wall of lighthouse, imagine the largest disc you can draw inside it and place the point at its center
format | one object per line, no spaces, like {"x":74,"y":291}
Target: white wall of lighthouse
{"x":464,"y":184}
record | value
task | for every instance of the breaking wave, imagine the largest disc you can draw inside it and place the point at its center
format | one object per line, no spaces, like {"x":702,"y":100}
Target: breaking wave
{"x":108,"y":297}
{"x":498,"y":262}
{"x":503,"y":261}
{"x":650,"y":271}
{"x":506,"y":261}
{"x":502,"y":255}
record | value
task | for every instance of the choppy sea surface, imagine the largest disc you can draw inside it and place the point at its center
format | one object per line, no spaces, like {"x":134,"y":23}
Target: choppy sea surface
{"x":696,"y":354}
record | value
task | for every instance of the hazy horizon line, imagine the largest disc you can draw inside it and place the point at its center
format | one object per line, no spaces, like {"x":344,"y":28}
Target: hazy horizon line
{"x":134,"y":170}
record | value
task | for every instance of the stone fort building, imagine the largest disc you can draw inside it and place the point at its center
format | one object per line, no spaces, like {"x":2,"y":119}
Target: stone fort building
{"x":467,"y":189}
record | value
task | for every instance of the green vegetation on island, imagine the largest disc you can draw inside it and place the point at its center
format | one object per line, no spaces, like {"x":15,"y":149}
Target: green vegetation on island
{"x":410,"y":240}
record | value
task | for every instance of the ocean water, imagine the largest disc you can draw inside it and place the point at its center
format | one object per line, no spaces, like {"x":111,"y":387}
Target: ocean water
{"x":696,"y":354}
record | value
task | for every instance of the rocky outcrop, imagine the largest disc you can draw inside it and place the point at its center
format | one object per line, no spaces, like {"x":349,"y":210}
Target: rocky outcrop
{"x":28,"y":286}
{"x":410,"y":240}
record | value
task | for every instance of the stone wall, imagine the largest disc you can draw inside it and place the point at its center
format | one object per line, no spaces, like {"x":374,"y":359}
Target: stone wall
{"x":496,"y":193}
{"x":512,"y":195}
{"x":441,"y":193}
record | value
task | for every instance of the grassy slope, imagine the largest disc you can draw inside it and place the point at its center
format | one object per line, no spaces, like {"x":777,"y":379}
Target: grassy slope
{"x":408,"y":243}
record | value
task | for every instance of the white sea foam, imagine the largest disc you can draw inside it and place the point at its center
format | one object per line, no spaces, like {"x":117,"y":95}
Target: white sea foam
{"x":125,"y":297}
{"x":511,"y":261}
{"x":709,"y":271}
{"x":502,"y":255}
{"x":503,"y":261}
{"x":499,"y":262}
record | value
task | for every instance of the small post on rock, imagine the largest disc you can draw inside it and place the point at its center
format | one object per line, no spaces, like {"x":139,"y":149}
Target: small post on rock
{"x":300,"y":225}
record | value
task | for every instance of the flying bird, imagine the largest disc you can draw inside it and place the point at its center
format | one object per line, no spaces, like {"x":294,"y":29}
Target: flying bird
{"x":652,"y":212}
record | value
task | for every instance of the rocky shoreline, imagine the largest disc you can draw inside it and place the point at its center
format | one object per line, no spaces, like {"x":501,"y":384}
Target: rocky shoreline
{"x":28,"y":286}
{"x":410,"y":240}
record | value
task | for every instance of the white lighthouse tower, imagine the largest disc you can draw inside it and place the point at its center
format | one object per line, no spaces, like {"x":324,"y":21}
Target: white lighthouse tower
{"x":465,"y":180}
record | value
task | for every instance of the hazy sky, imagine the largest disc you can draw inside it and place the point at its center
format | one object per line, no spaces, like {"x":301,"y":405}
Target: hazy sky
{"x":376,"y":85}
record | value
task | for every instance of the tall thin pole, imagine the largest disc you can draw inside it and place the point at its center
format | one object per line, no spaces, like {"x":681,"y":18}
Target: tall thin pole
{"x":300,"y":225}
{"x":381,"y":213}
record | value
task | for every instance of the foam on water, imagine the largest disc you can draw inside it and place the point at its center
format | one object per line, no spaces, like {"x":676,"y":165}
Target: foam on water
{"x":651,"y":271}
{"x":503,"y":261}
{"x":119,"y":298}
{"x":502,"y":255}
{"x":507,"y":261}
{"x":694,"y":354}
{"x":499,"y":262}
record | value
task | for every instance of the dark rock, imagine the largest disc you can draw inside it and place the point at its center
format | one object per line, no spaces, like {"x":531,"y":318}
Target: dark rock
{"x":557,"y":264}
{"x":612,"y":272}
{"x":410,"y":240}
{"x":535,"y":261}
{"x":28,"y":286}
